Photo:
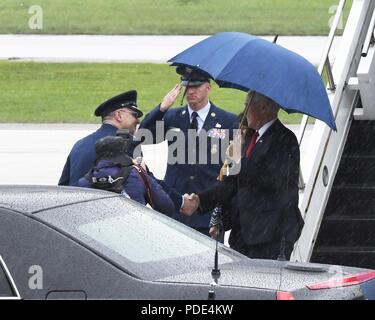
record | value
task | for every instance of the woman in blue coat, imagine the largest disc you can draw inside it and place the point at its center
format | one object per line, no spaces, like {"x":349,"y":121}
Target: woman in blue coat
{"x":115,"y":171}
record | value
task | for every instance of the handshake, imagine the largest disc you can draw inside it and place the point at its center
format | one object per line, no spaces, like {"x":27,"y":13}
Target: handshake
{"x":190,"y":204}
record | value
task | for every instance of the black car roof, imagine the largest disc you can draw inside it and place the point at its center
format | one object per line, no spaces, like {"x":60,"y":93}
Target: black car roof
{"x":32,"y":199}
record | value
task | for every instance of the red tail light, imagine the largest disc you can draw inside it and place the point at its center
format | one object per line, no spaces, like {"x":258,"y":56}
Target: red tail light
{"x":284,"y":295}
{"x":343,"y":281}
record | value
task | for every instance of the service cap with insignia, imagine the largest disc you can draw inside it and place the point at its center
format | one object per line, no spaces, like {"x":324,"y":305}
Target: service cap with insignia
{"x":191,"y":77}
{"x":126,"y":99}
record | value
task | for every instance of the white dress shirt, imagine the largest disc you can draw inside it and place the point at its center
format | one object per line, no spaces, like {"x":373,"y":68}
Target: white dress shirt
{"x":264,"y":128}
{"x":202,"y":115}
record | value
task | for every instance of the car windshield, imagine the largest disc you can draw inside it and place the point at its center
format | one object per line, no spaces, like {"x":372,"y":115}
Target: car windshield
{"x":141,"y":241}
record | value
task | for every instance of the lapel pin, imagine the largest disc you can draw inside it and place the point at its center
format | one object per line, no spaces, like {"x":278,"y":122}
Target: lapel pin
{"x":183,"y":112}
{"x":213,"y":114}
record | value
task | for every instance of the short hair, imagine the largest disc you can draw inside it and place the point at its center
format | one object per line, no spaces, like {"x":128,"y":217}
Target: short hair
{"x":272,"y":106}
{"x":109,"y":116}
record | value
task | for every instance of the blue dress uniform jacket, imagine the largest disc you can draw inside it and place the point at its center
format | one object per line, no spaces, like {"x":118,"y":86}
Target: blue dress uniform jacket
{"x":82,"y":156}
{"x":265,"y":190}
{"x":185,"y":177}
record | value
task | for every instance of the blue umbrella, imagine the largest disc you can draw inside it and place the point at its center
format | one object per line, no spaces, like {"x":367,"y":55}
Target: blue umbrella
{"x":246,"y":62}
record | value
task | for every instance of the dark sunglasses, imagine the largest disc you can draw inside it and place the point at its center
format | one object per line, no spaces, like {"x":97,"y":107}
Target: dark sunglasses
{"x":133,"y":113}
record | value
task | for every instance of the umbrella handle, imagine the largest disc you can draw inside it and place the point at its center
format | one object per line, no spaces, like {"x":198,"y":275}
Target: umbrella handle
{"x":252,"y":94}
{"x":223,"y":170}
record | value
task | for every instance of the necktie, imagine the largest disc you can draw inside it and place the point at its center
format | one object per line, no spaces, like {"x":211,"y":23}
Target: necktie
{"x":252,"y":143}
{"x":194,"y":121}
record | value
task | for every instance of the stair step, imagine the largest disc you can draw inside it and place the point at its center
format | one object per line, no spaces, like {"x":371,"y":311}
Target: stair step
{"x":341,"y":249}
{"x":359,"y":157}
{"x":361,"y":138}
{"x":356,"y":186}
{"x":362,"y":257}
{"x":356,"y":169}
{"x":351,"y":199}
{"x":347,"y":231}
{"x":350,"y":218}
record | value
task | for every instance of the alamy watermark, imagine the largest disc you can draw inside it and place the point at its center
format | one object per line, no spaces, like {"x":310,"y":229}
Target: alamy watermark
{"x":332,"y":11}
{"x":36,"y":18}
{"x":190,"y":147}
{"x":36,"y":277}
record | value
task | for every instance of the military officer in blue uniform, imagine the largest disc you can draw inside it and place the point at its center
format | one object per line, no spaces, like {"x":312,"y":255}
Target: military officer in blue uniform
{"x":214,"y":128}
{"x":119,"y":112}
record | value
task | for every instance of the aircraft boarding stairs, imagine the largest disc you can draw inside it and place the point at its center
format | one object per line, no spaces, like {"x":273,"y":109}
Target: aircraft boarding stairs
{"x":338,"y":199}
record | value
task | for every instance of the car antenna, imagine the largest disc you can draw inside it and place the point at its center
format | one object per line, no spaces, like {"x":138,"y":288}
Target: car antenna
{"x":275,"y":39}
{"x":215,"y":272}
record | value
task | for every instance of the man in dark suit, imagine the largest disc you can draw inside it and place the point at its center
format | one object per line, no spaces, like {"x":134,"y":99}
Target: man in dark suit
{"x":186,"y":171}
{"x":119,"y":112}
{"x":268,"y":221}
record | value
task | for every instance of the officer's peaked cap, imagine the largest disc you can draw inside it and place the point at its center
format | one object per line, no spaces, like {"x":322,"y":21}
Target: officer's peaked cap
{"x":192,"y":77}
{"x":126,"y":99}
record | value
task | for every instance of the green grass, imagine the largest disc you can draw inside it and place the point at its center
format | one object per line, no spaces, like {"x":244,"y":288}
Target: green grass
{"x":70,"y":92}
{"x":297,"y":17}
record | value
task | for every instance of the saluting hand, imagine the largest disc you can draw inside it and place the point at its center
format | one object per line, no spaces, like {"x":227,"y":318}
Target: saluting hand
{"x":170,"y":98}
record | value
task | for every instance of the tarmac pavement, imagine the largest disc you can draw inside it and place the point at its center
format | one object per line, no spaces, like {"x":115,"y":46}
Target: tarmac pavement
{"x":36,"y":153}
{"x":154,"y":49}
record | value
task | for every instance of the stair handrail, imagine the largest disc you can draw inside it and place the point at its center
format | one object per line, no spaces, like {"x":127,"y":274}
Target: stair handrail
{"x":324,"y":63}
{"x":370,"y":36}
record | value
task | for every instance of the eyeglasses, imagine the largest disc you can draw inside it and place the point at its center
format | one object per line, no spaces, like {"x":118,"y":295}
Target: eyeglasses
{"x":133,"y":113}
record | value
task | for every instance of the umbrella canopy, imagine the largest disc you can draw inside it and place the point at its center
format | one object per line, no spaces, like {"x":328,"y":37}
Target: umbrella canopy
{"x":246,"y":62}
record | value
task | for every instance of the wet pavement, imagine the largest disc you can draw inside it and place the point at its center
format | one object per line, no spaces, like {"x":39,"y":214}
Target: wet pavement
{"x":36,"y":153}
{"x":154,"y":49}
